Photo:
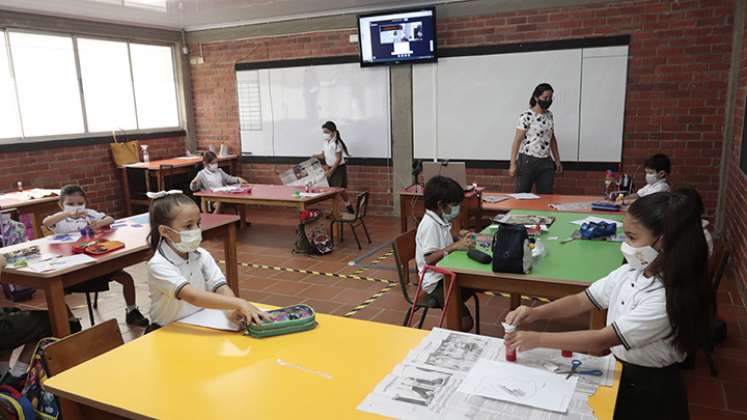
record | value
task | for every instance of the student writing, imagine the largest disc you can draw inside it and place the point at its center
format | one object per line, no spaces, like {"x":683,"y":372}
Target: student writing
{"x":211,"y":176}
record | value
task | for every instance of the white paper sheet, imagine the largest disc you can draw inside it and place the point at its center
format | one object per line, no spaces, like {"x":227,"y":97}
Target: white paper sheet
{"x":210,"y":318}
{"x":308,"y":194}
{"x":227,"y":188}
{"x":551,"y":360}
{"x":425,"y":385}
{"x":524,"y":196}
{"x":594,"y":219}
{"x":64,"y":238}
{"x":494,"y":198}
{"x":61,"y":263}
{"x":519,"y":384}
{"x":30,"y":194}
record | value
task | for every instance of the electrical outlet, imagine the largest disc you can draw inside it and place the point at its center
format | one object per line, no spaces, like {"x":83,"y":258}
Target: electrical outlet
{"x":353,"y":38}
{"x":197,"y":60}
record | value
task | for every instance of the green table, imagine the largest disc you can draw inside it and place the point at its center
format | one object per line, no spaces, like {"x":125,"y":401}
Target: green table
{"x":565,"y":269}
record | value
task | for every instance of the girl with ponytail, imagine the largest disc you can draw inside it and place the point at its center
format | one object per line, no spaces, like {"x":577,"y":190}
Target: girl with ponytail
{"x":333,"y":160}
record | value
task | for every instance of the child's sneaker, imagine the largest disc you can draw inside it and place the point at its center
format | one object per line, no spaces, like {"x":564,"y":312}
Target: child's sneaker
{"x":134,"y":317}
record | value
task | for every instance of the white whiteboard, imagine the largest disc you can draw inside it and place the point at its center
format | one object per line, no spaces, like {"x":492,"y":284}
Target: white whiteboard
{"x":281,"y":110}
{"x":467,"y":108}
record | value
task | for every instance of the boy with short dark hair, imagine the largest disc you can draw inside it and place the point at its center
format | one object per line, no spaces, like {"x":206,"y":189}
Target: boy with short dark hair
{"x":657,"y":167}
{"x":434,"y":240}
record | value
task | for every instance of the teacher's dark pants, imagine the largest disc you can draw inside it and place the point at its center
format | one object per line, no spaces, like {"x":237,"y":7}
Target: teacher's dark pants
{"x":532,"y":171}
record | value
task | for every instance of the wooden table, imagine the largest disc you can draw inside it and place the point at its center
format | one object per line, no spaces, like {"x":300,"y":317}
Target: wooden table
{"x":38,"y":208}
{"x":541,"y":204}
{"x":160,"y":169}
{"x":187,"y":372}
{"x":565,"y":270}
{"x":274,"y":195}
{"x":412,"y":206}
{"x":135,"y":251}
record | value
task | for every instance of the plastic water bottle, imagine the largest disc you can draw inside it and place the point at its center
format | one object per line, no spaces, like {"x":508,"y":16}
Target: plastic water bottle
{"x":146,"y":156}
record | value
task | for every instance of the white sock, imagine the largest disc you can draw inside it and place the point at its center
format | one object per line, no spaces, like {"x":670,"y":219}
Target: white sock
{"x":131,"y":308}
{"x":4,"y":366}
{"x":19,"y":369}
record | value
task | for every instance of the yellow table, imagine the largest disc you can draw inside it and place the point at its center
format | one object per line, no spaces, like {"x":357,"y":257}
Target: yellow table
{"x":186,"y":372}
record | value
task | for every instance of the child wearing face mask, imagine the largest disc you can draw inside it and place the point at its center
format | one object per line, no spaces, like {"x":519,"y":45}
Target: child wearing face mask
{"x":434,"y":239}
{"x":182,"y":277}
{"x":333,"y":161}
{"x":74,"y":217}
{"x":657,"y":167}
{"x":211,"y":176}
{"x":660,"y":307}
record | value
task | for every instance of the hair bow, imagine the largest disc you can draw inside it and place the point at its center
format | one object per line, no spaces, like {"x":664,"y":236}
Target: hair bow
{"x":161,"y":194}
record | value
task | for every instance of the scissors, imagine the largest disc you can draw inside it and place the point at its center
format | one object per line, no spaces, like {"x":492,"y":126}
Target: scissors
{"x":575,"y":364}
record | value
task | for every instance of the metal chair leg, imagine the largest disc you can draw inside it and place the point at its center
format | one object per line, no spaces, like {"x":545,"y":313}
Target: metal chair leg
{"x":366,"y":231}
{"x":90,"y":309}
{"x":422,"y":318}
{"x":96,"y":300}
{"x":355,"y":235}
{"x":407,"y":316}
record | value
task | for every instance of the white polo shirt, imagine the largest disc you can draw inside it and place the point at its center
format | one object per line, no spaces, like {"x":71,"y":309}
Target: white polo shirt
{"x":434,"y":234}
{"x":168,"y":273}
{"x":70,"y":225}
{"x":658,"y":186}
{"x":330,"y":149}
{"x":637,"y":311}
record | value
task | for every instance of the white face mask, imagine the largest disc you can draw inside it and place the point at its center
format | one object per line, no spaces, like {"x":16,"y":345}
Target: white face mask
{"x":212,"y":167}
{"x":72,"y":209}
{"x":328,"y":136}
{"x":453,"y":214}
{"x":651,"y":178}
{"x":189,"y":240}
{"x":638,"y":258}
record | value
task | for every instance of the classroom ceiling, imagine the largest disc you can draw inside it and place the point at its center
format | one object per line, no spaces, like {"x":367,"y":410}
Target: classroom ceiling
{"x":202,"y":14}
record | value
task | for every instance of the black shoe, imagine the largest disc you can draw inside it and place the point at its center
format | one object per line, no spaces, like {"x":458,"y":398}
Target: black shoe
{"x":134,"y":317}
{"x":75,"y":326}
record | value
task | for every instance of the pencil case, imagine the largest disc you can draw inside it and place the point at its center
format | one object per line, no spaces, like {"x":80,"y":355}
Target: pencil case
{"x":288,"y":320}
{"x":605,"y":206}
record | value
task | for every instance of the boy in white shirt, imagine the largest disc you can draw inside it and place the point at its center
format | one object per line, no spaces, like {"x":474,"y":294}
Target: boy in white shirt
{"x":74,"y":217}
{"x":658,"y":167}
{"x":434,"y":239}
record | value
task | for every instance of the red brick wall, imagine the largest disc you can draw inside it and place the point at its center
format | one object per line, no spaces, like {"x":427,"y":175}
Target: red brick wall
{"x":736,"y":193}
{"x":90,"y":166}
{"x":676,"y":82}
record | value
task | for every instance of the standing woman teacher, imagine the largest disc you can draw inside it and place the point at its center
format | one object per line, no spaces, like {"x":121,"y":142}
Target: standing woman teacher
{"x":534,"y":146}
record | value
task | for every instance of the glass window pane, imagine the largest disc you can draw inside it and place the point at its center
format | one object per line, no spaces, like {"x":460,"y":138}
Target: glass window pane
{"x":47,"y":83}
{"x":9,"y":126}
{"x":107,"y":85}
{"x":155,"y":89}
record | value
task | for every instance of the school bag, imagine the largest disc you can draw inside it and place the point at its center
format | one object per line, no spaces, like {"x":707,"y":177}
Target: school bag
{"x":43,"y":402}
{"x":14,"y":405}
{"x":11,"y":233}
{"x":511,"y":253}
{"x":312,"y":237}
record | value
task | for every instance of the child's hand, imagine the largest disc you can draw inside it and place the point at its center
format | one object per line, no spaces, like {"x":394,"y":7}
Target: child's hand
{"x":463,"y":233}
{"x":98,"y":224}
{"x":77,"y":214}
{"x":523,"y":340}
{"x":464,"y":244}
{"x":248,"y":313}
{"x":519,"y":315}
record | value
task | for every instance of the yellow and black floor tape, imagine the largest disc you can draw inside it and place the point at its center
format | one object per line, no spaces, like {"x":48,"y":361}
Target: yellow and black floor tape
{"x":508,"y":296}
{"x":374,"y":262}
{"x":370,"y":300}
{"x":312,"y":272}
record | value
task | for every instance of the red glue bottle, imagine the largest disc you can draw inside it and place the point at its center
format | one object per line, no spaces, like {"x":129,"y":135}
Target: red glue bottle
{"x":566,"y":353}
{"x":510,"y":353}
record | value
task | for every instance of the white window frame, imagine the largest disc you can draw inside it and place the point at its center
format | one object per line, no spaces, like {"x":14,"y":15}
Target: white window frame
{"x":87,"y":134}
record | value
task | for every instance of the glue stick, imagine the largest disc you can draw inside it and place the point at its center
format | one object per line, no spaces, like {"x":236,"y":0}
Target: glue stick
{"x":510,"y":354}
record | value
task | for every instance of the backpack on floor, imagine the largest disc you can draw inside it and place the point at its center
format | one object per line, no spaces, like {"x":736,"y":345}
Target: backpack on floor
{"x":511,"y":253}
{"x":312,"y":237}
{"x":43,"y":402}
{"x":14,"y":405}
{"x":11,"y":233}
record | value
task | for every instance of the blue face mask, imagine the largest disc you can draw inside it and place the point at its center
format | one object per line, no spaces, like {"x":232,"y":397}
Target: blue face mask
{"x":452,"y":214}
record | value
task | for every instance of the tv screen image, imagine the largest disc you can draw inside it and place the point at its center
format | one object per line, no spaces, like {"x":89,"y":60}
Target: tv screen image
{"x":398,"y":37}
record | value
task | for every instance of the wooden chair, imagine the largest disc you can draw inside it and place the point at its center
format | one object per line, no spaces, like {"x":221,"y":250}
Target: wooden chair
{"x":76,"y":349}
{"x":404,"y":254}
{"x":354,"y":220}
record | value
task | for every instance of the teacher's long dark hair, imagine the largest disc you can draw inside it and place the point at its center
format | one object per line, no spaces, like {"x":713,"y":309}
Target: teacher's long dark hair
{"x":682,"y":265}
{"x":329,"y":125}
{"x":541,"y":88}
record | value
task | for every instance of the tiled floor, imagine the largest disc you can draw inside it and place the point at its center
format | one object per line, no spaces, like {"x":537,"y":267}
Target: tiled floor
{"x":269,"y":241}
